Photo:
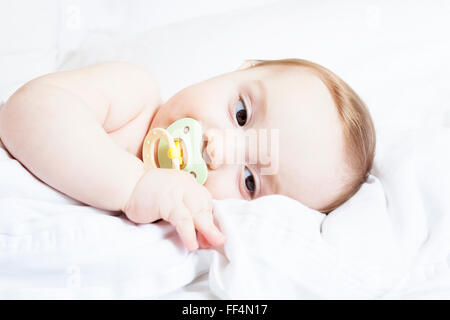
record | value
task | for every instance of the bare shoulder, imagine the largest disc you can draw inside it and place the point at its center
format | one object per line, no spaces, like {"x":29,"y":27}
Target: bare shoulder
{"x":130,"y":89}
{"x":134,"y":98}
{"x":124,"y":73}
{"x":116,"y":91}
{"x":121,"y":96}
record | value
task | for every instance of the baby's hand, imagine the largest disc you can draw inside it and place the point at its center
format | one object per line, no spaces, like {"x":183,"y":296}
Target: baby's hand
{"x":178,"y":198}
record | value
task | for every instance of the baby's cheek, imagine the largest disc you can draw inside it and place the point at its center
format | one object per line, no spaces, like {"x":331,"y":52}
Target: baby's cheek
{"x":222,"y":188}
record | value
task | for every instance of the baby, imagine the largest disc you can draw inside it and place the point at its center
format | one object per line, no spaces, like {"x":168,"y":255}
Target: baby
{"x":82,"y":132}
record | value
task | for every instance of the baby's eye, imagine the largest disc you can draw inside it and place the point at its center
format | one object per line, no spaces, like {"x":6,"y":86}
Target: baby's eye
{"x":241,"y":113}
{"x":249,"y":181}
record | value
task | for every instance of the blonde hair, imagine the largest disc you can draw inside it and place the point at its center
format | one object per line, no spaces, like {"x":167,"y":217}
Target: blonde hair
{"x":358,"y":128}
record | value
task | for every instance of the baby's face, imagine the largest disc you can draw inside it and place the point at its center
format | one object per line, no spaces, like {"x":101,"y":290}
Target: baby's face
{"x":291,"y":132}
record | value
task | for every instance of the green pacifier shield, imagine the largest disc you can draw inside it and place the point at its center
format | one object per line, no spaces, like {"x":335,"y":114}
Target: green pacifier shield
{"x":190,"y":134}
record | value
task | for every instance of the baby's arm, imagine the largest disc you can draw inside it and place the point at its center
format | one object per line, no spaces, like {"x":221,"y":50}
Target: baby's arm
{"x":57,"y":126}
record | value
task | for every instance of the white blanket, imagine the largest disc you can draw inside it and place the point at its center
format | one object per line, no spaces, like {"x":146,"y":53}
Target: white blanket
{"x":391,"y":240}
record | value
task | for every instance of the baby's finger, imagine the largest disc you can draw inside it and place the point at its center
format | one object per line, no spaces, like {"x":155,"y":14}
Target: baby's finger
{"x":184,"y":224}
{"x":204,"y":223}
{"x":204,"y":244}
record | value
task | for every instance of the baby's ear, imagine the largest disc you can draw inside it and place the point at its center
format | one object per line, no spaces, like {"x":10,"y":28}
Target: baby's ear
{"x":248,"y":64}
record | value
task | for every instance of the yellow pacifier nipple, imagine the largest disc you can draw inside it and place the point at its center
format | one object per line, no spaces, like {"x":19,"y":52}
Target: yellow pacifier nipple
{"x":176,"y":152}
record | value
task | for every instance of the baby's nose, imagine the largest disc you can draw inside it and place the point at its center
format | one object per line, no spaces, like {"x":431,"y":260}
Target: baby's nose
{"x":223,"y":147}
{"x":213,"y":149}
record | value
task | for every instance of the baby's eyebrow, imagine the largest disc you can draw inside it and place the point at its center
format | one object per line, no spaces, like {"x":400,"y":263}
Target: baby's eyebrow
{"x":261,"y":98}
{"x":269,"y":184}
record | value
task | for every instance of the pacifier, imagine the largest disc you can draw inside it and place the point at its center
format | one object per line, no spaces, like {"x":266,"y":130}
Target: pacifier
{"x":179,"y":147}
